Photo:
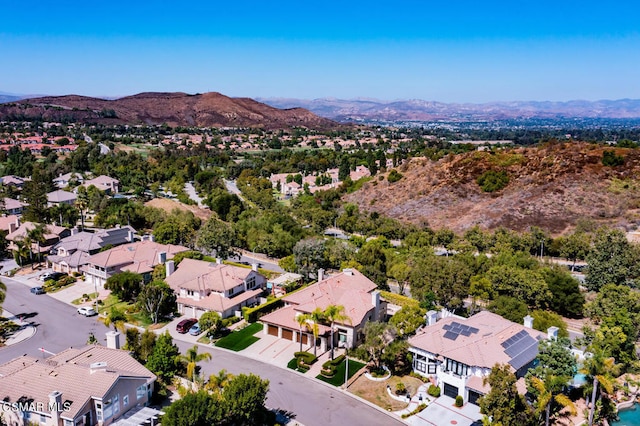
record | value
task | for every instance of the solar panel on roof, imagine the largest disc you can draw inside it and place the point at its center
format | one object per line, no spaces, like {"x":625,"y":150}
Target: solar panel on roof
{"x":465,"y":332}
{"x":446,"y":327}
{"x":473,"y":330}
{"x":450,"y":335}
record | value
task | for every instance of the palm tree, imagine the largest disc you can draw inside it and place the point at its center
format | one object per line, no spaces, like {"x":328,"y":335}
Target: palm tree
{"x":600,"y":368}
{"x":333,"y":314}
{"x":116,"y":318}
{"x":217,"y":382}
{"x":302,"y":320}
{"x":37,"y":235}
{"x":314,"y":319}
{"x":549,"y":391}
{"x":82,"y":202}
{"x":22,"y":250}
{"x":192,"y":358}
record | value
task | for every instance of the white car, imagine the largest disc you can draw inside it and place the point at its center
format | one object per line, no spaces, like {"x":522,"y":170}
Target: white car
{"x":87,"y":311}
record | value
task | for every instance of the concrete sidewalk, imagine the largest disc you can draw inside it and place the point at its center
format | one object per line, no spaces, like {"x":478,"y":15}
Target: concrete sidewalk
{"x":26,"y":330}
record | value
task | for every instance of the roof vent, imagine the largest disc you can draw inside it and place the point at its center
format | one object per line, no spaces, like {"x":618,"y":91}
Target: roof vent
{"x":97,"y":365}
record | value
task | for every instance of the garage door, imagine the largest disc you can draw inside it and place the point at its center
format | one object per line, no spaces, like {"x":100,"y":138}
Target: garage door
{"x":473,"y":397}
{"x":272,"y":330}
{"x":450,"y":391}
{"x":305,"y":339}
{"x":287,"y":334}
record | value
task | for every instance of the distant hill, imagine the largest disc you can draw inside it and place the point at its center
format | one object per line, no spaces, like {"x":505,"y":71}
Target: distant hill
{"x":419,"y":110}
{"x":552,"y":186}
{"x":175,"y":109}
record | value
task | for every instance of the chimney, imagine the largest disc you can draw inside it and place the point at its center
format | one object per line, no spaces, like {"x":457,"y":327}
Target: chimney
{"x":13,"y":226}
{"x":55,"y":406}
{"x":320,"y":274}
{"x":113,"y":339}
{"x":170,"y":267}
{"x":432,"y":317}
{"x":552,"y":333}
{"x":375,"y":301}
{"x":162,"y":257}
{"x":130,"y":236}
{"x":528,"y":321}
{"x":348,"y":271}
{"x":254,"y":267}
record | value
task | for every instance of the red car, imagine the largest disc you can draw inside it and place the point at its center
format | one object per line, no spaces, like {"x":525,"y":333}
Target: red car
{"x":184,"y":325}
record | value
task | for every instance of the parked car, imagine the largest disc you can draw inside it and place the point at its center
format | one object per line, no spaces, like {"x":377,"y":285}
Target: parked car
{"x":55,"y":276}
{"x":37,"y":290}
{"x":195,"y":329}
{"x":185,"y":325}
{"x":87,"y":311}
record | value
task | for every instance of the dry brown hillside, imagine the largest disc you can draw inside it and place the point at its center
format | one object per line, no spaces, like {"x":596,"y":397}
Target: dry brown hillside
{"x":550,"y":186}
{"x":175,"y":109}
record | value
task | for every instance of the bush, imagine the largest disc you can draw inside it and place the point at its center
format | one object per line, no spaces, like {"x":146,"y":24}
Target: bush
{"x":434,"y":391}
{"x":329,"y":368}
{"x":459,"y":401}
{"x":491,"y":181}
{"x":252,"y":314}
{"x":401,"y":389}
{"x":610,"y":159}
{"x":305,"y":359}
{"x":416,"y":411}
{"x":394,"y":176}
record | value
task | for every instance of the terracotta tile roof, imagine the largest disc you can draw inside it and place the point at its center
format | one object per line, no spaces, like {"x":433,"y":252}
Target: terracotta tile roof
{"x":216,"y":302}
{"x":199,"y":275}
{"x":61,"y":196}
{"x":69,"y":373}
{"x":476,"y":383}
{"x":53,"y":231}
{"x":5,"y":221}
{"x":143,"y":254}
{"x":482,"y":348}
{"x":11,"y":204}
{"x":286,"y":317}
{"x":349,"y":288}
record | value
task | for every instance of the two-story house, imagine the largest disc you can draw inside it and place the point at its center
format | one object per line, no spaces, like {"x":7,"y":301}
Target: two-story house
{"x":352,"y":290}
{"x":205,"y":286}
{"x":458,"y":353}
{"x":52,"y":234}
{"x":139,"y":257}
{"x":59,"y":196}
{"x":104,"y":183}
{"x":93,"y":385}
{"x":14,"y":207}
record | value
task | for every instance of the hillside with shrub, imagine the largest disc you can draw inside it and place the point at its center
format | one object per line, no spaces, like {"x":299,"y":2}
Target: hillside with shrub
{"x":551,"y":186}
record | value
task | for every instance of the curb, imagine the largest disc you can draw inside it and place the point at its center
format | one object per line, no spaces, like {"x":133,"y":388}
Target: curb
{"x":26,"y":331}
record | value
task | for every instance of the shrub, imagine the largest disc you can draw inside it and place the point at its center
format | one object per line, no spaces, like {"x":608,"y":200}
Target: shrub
{"x":252,"y":314}
{"x":434,"y":391}
{"x":394,"y":176}
{"x":401,"y":389}
{"x":491,"y":180}
{"x":459,"y":401}
{"x":610,"y":159}
{"x":329,"y":368}
{"x":416,"y":411}
{"x":305,"y":358}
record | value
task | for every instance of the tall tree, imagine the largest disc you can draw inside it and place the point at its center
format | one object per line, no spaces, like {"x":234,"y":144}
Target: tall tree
{"x":126,"y":285}
{"x":35,"y":195}
{"x":309,"y":256}
{"x":377,"y":336}
{"x":37,"y":235}
{"x":600,"y":369}
{"x":334,"y":314}
{"x":245,"y":396}
{"x":216,"y":236}
{"x":156,"y":300}
{"x":613,"y":260}
{"x":503,"y":404}
{"x":163,"y":361}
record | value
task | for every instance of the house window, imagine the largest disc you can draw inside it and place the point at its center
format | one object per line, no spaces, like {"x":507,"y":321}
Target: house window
{"x":99,"y":411}
{"x":141,"y":391}
{"x":190,"y":292}
{"x":116,"y":404}
{"x":68,"y":422}
{"x":125,"y":400}
{"x":251,"y":283}
{"x":457,"y":368}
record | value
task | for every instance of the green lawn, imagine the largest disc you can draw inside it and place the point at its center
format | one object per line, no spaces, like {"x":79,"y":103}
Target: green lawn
{"x":242,"y":339}
{"x":338,"y":379}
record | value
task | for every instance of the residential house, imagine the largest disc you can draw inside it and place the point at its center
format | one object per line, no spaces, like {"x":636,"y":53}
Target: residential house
{"x":139,"y":257}
{"x":64,"y":180}
{"x":349,"y":288}
{"x":59,"y":196}
{"x":104,"y":183}
{"x":16,"y":181}
{"x":12,"y":206}
{"x":458,"y":353}
{"x":72,"y":253}
{"x":93,"y":385}
{"x":205,"y":286}
{"x":52,"y":235}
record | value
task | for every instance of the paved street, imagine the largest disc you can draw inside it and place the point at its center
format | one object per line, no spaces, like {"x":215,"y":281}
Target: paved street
{"x":58,"y":326}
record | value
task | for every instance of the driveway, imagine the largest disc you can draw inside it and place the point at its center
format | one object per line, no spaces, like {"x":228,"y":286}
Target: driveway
{"x":443,"y":412}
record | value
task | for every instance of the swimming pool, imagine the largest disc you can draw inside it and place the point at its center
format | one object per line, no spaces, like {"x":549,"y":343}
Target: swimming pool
{"x":629,"y":416}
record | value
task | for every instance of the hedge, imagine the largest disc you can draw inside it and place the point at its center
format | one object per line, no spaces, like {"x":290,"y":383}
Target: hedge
{"x":252,"y":314}
{"x":329,"y":368}
{"x":398,"y":299}
{"x":305,"y":357}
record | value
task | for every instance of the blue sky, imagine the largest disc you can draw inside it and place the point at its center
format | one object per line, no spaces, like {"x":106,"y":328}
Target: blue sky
{"x":456,"y":51}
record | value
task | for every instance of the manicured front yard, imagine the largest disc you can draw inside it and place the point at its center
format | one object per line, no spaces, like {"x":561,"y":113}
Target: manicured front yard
{"x":338,"y":379}
{"x":241,"y":339}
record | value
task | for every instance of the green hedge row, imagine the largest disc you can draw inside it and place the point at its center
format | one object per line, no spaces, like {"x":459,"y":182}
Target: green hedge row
{"x":329,"y":368}
{"x":253,"y":314}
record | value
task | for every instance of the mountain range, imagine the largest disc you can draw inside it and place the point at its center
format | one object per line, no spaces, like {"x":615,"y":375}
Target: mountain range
{"x":175,"y":109}
{"x":420,"y":110}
